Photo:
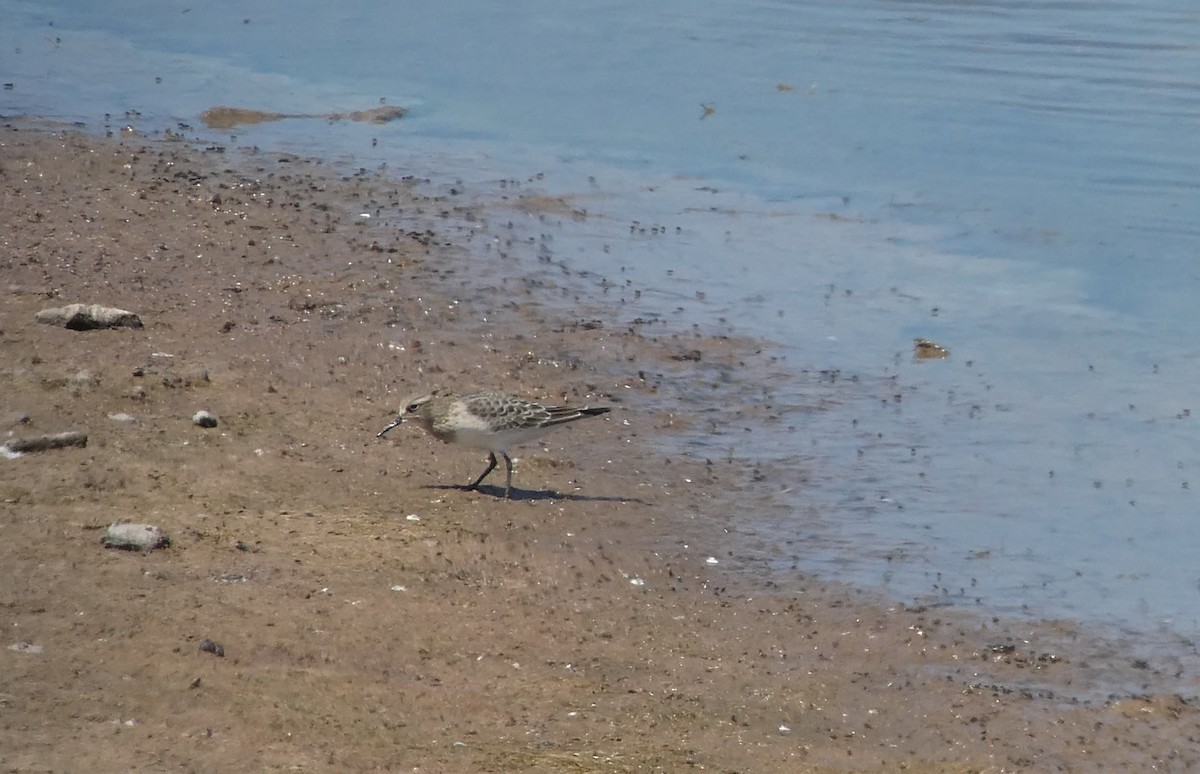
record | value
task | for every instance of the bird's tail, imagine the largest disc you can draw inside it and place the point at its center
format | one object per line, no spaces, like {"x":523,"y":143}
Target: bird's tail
{"x":560,"y":414}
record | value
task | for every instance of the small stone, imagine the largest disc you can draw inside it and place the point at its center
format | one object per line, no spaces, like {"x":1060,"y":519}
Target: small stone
{"x":135,"y":537}
{"x":215,"y":648}
{"x":123,"y":418}
{"x":204,"y":419}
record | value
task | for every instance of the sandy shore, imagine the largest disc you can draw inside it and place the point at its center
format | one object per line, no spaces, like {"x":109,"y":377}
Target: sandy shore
{"x":370,"y":613}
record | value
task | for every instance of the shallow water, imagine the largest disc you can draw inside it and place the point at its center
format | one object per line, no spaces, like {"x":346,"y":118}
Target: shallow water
{"x":1019,"y":182}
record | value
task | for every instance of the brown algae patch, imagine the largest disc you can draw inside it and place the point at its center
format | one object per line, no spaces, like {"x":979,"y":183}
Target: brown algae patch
{"x":225,"y":117}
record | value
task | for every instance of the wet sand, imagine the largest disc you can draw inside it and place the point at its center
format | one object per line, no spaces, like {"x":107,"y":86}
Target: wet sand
{"x":370,"y":613}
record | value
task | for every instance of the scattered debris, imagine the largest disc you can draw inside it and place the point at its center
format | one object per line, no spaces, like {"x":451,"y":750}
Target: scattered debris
{"x":924,"y":349}
{"x":26,"y":647}
{"x":135,"y":537}
{"x":87,"y":317}
{"x":13,"y":418}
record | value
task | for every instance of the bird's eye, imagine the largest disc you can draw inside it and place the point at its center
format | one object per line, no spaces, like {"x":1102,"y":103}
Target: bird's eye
{"x":412,"y":407}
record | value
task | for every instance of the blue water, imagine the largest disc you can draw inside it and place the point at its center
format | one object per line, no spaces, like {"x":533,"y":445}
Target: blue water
{"x":1019,"y":181}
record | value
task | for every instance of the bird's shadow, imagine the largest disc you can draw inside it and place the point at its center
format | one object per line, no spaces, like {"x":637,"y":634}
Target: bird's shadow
{"x":533,"y":495}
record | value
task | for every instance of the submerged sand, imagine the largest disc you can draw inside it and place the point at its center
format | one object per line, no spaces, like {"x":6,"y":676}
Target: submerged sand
{"x":357,"y":608}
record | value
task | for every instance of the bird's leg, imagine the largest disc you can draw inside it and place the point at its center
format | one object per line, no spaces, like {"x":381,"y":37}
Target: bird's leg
{"x":508,"y":486}
{"x":491,"y":466}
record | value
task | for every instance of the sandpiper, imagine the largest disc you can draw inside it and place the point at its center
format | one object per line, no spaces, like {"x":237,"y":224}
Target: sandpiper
{"x":488,"y":420}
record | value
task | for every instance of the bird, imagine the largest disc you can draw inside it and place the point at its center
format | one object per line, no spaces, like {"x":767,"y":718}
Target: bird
{"x":488,"y":420}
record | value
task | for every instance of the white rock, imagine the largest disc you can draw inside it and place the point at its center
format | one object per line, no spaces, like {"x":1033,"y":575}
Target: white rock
{"x":45,"y":442}
{"x":86,"y":317}
{"x":204,"y":419}
{"x":135,"y":537}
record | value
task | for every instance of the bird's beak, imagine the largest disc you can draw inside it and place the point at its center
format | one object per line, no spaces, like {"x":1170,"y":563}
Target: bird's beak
{"x":395,"y":423}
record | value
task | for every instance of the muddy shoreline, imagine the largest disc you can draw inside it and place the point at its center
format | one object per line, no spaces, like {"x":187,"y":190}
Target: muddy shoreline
{"x":373,"y":615}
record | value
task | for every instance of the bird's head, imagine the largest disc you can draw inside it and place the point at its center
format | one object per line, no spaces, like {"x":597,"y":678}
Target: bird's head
{"x":412,"y":409}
